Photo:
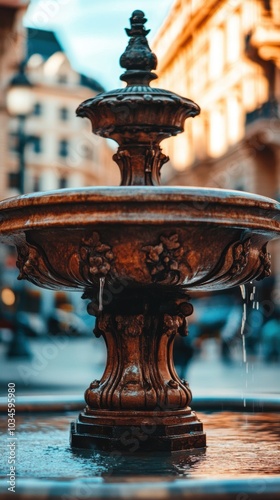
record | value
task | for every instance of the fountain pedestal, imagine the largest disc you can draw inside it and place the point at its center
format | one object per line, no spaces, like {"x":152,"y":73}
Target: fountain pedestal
{"x":140,"y":402}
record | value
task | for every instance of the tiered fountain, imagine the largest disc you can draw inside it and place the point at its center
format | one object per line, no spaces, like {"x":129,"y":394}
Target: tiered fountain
{"x":137,"y":252}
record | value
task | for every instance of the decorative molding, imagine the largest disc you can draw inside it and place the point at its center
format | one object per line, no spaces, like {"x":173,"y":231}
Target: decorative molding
{"x":265,"y":259}
{"x":130,"y":326}
{"x":172,"y":324}
{"x":138,"y":59}
{"x":240,"y":253}
{"x":123,"y":159}
{"x":28,"y":262}
{"x":140,"y":374}
{"x":95,"y":257}
{"x":163,"y":259}
{"x":35,"y":267}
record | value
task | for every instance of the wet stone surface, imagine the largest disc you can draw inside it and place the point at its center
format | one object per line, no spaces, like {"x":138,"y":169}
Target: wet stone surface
{"x":239,"y":445}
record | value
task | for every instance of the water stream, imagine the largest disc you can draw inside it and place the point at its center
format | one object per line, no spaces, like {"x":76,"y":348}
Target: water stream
{"x":100,"y":295}
{"x":243,"y":322}
{"x":249,"y":300}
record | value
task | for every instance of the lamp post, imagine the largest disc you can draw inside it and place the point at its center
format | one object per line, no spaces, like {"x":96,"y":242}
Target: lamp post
{"x":19,"y":102}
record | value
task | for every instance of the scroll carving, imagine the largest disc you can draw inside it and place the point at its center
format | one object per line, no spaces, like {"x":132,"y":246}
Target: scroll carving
{"x":34,"y":267}
{"x":240,"y":253}
{"x":28,"y":262}
{"x":154,"y":160}
{"x":123,"y":159}
{"x":265,"y":259}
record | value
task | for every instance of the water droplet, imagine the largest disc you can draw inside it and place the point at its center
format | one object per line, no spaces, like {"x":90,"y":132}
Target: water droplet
{"x":243,"y":291}
{"x":244,"y":349}
{"x":244,"y":312}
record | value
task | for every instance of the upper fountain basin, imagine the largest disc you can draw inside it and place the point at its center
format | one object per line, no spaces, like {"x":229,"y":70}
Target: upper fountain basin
{"x":151,"y":114}
{"x":150,"y":236}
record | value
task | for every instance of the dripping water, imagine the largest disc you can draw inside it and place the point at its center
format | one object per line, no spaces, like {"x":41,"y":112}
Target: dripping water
{"x":255,"y":305}
{"x":243,"y":322}
{"x":100,"y":296}
{"x":242,"y":332}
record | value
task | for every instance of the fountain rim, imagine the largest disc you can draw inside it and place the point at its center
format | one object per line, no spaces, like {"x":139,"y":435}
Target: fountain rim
{"x":138,"y":206}
{"x":141,"y":194}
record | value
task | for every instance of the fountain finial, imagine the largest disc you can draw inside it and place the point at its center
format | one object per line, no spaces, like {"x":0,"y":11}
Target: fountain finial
{"x":138,"y":117}
{"x":138,"y":59}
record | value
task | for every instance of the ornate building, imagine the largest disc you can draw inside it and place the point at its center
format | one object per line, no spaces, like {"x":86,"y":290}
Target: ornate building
{"x":60,"y":151}
{"x":225,"y":55}
{"x":12,"y":47}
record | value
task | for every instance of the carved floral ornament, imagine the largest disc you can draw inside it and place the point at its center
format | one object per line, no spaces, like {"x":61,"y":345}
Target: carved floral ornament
{"x":96,"y":257}
{"x":131,"y":326}
{"x":163,"y":259}
{"x":172,"y":324}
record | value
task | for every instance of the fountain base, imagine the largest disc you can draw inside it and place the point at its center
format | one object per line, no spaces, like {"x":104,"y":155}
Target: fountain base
{"x":134,"y":431}
{"x":139,"y":403}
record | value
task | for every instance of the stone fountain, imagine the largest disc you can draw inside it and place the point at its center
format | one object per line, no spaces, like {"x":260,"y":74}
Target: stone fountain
{"x":137,"y":252}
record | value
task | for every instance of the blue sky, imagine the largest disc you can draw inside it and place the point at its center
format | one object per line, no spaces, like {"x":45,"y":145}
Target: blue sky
{"x":92,"y":31}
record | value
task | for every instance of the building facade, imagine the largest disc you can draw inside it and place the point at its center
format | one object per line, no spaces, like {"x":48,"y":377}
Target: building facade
{"x":12,"y":51}
{"x":61,"y":150}
{"x":225,"y":55}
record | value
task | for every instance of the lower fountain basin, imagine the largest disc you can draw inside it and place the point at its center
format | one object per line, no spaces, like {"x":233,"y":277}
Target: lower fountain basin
{"x":193,"y":237}
{"x":234,"y":463}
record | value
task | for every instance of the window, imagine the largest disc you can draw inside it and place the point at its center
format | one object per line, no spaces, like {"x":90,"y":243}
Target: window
{"x":37,"y":144}
{"x":62,"y":183}
{"x":233,"y":41}
{"x":63,"y":148}
{"x":13,"y":180}
{"x":216,"y":53}
{"x":37,"y":109}
{"x":62,"y":79}
{"x":63,"y":114}
{"x":234,"y":122}
{"x":217,"y":131}
{"x":13,"y":142}
{"x":36,"y":184}
{"x":86,"y":152}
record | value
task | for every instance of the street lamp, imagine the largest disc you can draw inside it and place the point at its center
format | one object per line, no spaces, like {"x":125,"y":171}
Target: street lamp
{"x":19,"y":102}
